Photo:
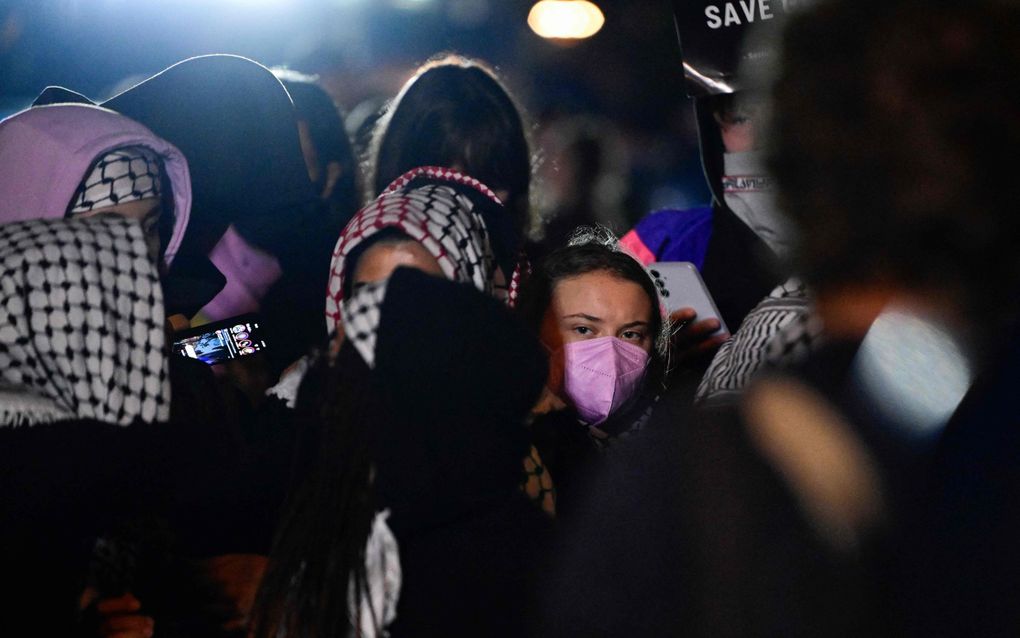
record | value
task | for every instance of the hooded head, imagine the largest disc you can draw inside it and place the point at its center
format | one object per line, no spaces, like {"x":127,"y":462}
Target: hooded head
{"x":236,"y":124}
{"x":47,"y":153}
{"x":444,"y":221}
{"x":329,"y":156}
{"x":458,"y":375}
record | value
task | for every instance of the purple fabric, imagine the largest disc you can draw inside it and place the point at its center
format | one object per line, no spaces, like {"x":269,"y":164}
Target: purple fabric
{"x":45,"y":152}
{"x":674,"y":235}
{"x":249,"y":272}
{"x":600,"y":375}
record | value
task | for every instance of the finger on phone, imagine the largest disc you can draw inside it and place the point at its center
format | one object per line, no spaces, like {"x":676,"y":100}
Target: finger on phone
{"x":696,"y":332}
{"x":119,"y":605}
{"x":178,"y":322}
{"x":682,"y":316}
{"x":127,"y":626}
{"x":710,"y":345}
{"x":702,"y":328}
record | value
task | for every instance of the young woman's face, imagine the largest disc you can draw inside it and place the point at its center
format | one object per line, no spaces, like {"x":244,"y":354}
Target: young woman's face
{"x":598,"y":304}
{"x":380,"y":260}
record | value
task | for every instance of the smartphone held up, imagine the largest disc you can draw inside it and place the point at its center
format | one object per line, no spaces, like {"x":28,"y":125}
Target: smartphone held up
{"x":680,"y":286}
{"x":222,"y":341}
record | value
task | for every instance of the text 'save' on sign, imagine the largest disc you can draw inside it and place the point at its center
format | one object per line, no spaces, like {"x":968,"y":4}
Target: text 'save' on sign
{"x":714,"y":40}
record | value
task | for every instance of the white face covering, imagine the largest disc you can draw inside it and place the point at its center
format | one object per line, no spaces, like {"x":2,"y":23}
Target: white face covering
{"x":750,"y":194}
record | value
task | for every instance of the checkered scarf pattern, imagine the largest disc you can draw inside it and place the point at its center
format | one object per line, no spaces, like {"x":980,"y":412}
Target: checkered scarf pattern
{"x":81,"y":323}
{"x":442,"y":220}
{"x":777,"y":331}
{"x":121,"y":176}
{"x":360,"y":314}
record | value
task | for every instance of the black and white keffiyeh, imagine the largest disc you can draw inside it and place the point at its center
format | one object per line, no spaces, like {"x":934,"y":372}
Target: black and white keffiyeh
{"x":780,"y":326}
{"x":377,"y":605}
{"x":122,"y":175}
{"x":360,"y":315}
{"x":81,"y":323}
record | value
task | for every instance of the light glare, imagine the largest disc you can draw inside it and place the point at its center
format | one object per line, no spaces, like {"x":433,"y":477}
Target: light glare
{"x":915,"y":371}
{"x":565,"y":19}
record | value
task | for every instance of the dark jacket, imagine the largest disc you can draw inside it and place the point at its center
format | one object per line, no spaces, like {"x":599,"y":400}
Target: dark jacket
{"x":476,"y":576}
{"x":689,"y":530}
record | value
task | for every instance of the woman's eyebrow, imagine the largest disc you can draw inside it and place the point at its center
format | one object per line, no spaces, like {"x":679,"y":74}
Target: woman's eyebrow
{"x":634,"y":324}
{"x":581,"y":315}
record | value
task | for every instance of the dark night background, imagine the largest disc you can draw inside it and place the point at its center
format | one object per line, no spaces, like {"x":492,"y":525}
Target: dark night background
{"x":627,"y":79}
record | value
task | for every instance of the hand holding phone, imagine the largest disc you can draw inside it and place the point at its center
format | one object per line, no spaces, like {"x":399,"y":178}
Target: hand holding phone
{"x":680,"y":286}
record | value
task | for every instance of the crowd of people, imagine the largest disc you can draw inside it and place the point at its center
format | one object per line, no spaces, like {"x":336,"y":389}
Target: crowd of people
{"x":454,"y":429}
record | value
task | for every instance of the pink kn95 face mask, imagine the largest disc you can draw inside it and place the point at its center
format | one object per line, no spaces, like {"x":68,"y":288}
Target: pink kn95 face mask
{"x":601,"y":374}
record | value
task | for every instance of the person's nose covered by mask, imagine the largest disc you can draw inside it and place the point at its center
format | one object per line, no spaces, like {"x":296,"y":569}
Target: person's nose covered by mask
{"x":747,"y":188}
{"x":599,"y":325}
{"x":602,"y":375}
{"x":749,"y":192}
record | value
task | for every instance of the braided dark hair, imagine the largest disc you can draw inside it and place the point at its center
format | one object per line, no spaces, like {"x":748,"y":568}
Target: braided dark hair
{"x":319,"y":549}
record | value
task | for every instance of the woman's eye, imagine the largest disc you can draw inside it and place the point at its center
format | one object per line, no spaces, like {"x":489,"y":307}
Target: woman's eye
{"x":633,"y":335}
{"x":582,"y":330}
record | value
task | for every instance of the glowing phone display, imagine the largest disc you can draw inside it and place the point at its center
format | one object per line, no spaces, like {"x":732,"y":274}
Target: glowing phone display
{"x":221,"y":341}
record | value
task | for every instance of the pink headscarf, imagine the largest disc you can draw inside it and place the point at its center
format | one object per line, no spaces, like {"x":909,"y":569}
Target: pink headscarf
{"x":46,"y":151}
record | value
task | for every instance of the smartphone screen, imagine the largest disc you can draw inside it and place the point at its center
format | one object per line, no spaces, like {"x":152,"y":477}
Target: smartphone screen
{"x":223,"y":340}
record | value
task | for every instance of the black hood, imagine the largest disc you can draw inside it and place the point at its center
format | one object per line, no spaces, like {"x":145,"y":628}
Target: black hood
{"x":235,"y":123}
{"x":711,"y":147}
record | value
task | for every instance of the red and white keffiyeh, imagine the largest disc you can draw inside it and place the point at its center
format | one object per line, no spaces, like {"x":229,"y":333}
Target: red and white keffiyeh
{"x":436,"y":215}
